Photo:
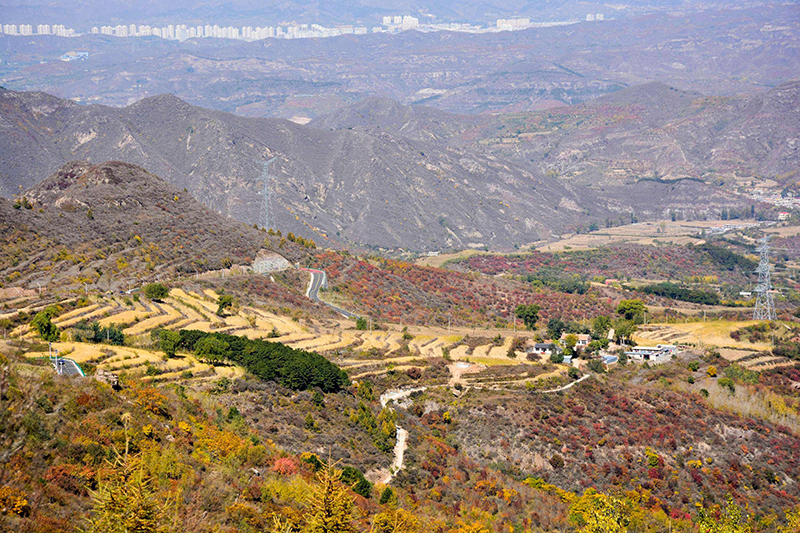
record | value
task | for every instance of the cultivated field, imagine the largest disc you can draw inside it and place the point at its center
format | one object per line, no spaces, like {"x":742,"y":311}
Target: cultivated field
{"x":644,"y":233}
{"x":361,"y":353}
{"x":714,"y":333}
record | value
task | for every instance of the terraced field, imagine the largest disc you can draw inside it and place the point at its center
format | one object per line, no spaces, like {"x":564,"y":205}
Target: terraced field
{"x":713,"y":333}
{"x":361,"y":353}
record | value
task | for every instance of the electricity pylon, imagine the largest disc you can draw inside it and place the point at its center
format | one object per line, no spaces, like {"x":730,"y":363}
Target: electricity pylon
{"x":266,"y":220}
{"x":765,"y":303}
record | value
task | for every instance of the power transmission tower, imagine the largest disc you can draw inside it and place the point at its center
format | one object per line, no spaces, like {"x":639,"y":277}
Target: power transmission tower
{"x":765,"y":304}
{"x":266,"y":220}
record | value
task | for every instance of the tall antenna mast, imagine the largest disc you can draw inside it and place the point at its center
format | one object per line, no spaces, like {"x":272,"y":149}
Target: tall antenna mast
{"x":765,"y":303}
{"x":266,"y":220}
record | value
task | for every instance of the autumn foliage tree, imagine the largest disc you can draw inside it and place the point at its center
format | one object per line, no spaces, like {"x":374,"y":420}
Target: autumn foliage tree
{"x":127,"y":501}
{"x":595,"y":512}
{"x":330,"y":504}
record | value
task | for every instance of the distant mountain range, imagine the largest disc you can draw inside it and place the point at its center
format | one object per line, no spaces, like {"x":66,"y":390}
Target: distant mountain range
{"x":651,"y":131}
{"x":364,"y":186}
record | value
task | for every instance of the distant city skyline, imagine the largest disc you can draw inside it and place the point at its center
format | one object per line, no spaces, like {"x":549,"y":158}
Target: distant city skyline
{"x":182,"y":32}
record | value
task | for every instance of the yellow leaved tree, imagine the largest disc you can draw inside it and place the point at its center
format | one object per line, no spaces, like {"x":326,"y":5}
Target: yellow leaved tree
{"x":331,"y":506}
{"x":395,"y":521}
{"x":729,"y":520}
{"x":127,"y":500}
{"x":792,"y":522}
{"x":595,"y":512}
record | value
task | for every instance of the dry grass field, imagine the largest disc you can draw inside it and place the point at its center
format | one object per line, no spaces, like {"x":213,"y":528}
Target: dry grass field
{"x":645,"y":233}
{"x":710,"y":333}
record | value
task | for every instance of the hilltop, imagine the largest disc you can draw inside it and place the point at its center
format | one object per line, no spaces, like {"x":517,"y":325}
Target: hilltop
{"x":659,"y":132}
{"x":105,"y":223}
{"x":416,"y":122}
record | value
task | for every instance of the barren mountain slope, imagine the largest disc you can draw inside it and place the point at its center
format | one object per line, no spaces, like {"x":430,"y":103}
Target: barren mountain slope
{"x":647,"y":131}
{"x":656,"y":130}
{"x":369,"y":188}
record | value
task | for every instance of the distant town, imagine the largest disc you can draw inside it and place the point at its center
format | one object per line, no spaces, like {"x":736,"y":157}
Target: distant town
{"x":182,"y":32}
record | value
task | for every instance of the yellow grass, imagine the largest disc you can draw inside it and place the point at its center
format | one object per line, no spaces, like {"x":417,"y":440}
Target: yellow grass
{"x":415,"y":345}
{"x":125,"y":317}
{"x":322,"y":340}
{"x":154,"y":322}
{"x":373,"y":340}
{"x":237,"y":321}
{"x":195,"y":300}
{"x":345,"y":342}
{"x":211,"y":294}
{"x":125,"y":364}
{"x":229,"y":371}
{"x":77,"y":351}
{"x":459,"y":352}
{"x":199,"y":299}
{"x":183,"y":324}
{"x":186,"y":310}
{"x":734,"y":355}
{"x":363,"y":375}
{"x":710,"y":333}
{"x":175,"y":364}
{"x":501,"y":351}
{"x":491,"y":361}
{"x":646,"y":233}
{"x":21,"y":331}
{"x":441,"y":259}
{"x":296,"y":337}
{"x":394,"y":342}
{"x":75,"y":313}
{"x":433,"y":349}
{"x":481,"y":351}
{"x":89,"y":316}
{"x":284,"y":325}
{"x":755,"y":362}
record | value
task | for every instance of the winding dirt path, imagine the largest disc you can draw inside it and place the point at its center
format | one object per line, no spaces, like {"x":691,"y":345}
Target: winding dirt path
{"x":401,"y":438}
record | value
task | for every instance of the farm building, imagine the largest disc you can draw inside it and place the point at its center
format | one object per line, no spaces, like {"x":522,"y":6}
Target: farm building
{"x":655,"y":354}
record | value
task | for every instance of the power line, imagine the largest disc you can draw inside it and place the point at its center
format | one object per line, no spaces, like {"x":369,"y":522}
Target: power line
{"x":765,"y":303}
{"x":266,"y":220}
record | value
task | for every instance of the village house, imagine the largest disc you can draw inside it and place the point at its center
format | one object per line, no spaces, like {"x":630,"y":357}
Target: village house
{"x":544,"y":348}
{"x":583,"y":339}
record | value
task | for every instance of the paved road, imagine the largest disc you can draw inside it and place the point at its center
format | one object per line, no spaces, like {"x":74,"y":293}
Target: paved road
{"x":319,"y":280}
{"x":68,"y":367}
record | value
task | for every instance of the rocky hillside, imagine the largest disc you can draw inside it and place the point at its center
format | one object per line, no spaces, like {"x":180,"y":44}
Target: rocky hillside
{"x":642,"y":132}
{"x":374,"y":189}
{"x":115,"y":222}
{"x":365,"y":186}
{"x":412,"y":121}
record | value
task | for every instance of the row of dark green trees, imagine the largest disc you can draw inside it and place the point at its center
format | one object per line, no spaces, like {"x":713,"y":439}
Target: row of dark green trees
{"x":271,"y":361}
